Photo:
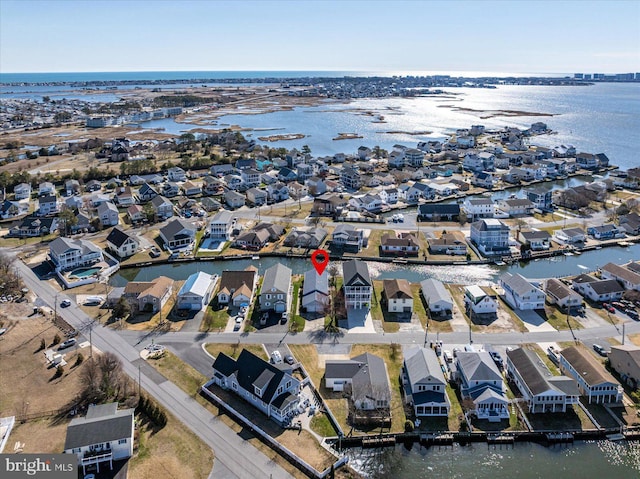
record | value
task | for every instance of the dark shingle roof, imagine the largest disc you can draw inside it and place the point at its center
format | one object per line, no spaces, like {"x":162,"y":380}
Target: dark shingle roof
{"x":99,"y":428}
{"x":355,"y":269}
{"x":585,"y":364}
{"x":117,"y":237}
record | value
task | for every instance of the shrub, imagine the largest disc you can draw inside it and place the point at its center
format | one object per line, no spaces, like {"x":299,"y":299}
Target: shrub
{"x":408,"y":426}
{"x":79,"y":359}
{"x":43,"y":344}
{"x":56,"y":339}
{"x":59,"y":372}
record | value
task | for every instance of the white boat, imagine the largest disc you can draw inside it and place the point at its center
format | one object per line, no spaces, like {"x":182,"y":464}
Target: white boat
{"x":255,"y":257}
{"x":568,"y":253}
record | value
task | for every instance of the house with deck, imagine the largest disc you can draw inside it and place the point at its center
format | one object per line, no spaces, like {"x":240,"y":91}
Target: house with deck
{"x":178,"y":234}
{"x":148,"y":296}
{"x":629,"y":279}
{"x":594,"y":382}
{"x":221,"y":225}
{"x":520,"y":293}
{"x":424,"y":383}
{"x":237,"y":287}
{"x":357,"y":285}
{"x":67,"y":254}
{"x":122,"y":243}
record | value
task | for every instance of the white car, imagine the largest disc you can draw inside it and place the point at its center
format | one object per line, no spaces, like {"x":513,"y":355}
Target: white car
{"x":276,"y":357}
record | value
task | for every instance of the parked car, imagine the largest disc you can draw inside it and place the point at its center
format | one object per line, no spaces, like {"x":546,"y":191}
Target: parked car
{"x":154,"y":252}
{"x":608,"y":307}
{"x":67,"y":344}
{"x":632,"y":313}
{"x":284,"y":318}
{"x":276,"y":357}
{"x":600,"y":350}
{"x":65,"y":303}
{"x":289,"y":359}
{"x":2,"y":331}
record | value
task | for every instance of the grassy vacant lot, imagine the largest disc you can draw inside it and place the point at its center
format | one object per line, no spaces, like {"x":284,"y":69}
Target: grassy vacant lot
{"x":558,"y":319}
{"x":234,"y":350}
{"x":296,"y":322}
{"x":215,"y":317}
{"x":373,"y":246}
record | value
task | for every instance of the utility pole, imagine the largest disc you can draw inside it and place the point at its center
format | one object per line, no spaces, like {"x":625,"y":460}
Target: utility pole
{"x":426,"y":331}
{"x":139,"y":382}
{"x":623,"y":325}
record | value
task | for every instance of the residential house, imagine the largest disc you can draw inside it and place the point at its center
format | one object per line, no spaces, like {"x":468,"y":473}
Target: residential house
{"x":136,"y":214}
{"x":449,"y":243}
{"x":67,"y":254}
{"x":443,"y":189}
{"x":46,"y":188}
{"x":22,"y":191}
{"x":370,"y":203}
{"x":414,"y":157}
{"x":170,"y":189}
{"x":438,"y":212}
{"x":598,"y":290}
{"x":587,"y":161}
{"x":211,"y":185}
{"x":256,"y":197}
{"x":541,"y":198}
{"x":108,"y":214}
{"x":424,"y":383}
{"x":176,"y":174}
{"x":347,"y":238}
{"x":541,"y":390}
{"x":479,"y":162}
{"x":389,"y":196}
{"x":48,"y":205}
{"x":397,"y":295}
{"x":275,"y":293}
{"x":560,"y":294}
{"x":630,"y":223}
{"x":94,"y":185}
{"x":287,"y":175}
{"x":626,"y":277}
{"x":484,"y":179}
{"x":209,"y":204}
{"x":519,"y":293}
{"x":625,"y":360}
{"x":233,"y":181}
{"x":162,"y":207}
{"x":237,"y":287}
{"x":316,"y":186}
{"x":275,"y":230}
{"x":252,"y":239}
{"x":250,"y":177}
{"x":297,"y":190}
{"x":122,"y":244}
{"x":148,"y":296}
{"x":481,"y":380}
{"x":146,"y":193}
{"x":71,"y":187}
{"x":272,"y":390}
{"x":196,"y":292}
{"x":402,"y":244}
{"x":221,"y":170}
{"x":491,"y":236}
{"x":304,"y":171}
{"x":480,"y":300}
{"x":191,"y":189}
{"x":516,"y":206}
{"x":437,"y":297}
{"x":364,"y":153}
{"x":594,"y":382}
{"x":221,"y":225}
{"x":178,"y":234}
{"x":104,"y":435}
{"x":357,"y":285}
{"x":234,"y":199}
{"x":351,"y":178}
{"x":536,"y":240}
{"x":408,"y":193}
{"x":306,"y":237}
{"x":476,"y":208}
{"x":97,"y":199}
{"x":605,"y":232}
{"x":32,"y":226}
{"x":570,"y":236}
{"x":123,"y":196}
{"x":315,"y":292}
{"x":278,"y":191}
{"x":365,"y":378}
{"x":328,"y":205}
{"x":11,"y":209}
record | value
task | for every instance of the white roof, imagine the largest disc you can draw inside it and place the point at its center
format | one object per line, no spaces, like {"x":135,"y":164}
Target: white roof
{"x":198,"y":284}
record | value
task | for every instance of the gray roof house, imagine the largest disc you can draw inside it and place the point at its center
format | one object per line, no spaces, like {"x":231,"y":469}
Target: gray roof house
{"x":104,"y":435}
{"x":108,"y":214}
{"x":276,"y":289}
{"x":424,"y":383}
{"x":306,"y":237}
{"x":520,"y":293}
{"x":357,"y":284}
{"x":178,"y":234}
{"x":542,"y":391}
{"x":315,"y":291}
{"x":437,"y":297}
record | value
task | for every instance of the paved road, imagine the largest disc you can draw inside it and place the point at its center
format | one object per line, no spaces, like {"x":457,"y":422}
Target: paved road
{"x":235,"y":457}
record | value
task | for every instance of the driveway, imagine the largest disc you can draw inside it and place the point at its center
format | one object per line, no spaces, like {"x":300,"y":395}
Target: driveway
{"x":533,"y":321}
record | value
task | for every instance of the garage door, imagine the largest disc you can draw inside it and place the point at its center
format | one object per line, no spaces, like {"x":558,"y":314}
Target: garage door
{"x":280,"y":307}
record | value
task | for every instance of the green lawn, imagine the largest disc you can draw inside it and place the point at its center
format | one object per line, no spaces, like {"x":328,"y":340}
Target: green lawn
{"x":558,"y":319}
{"x":215,"y":319}
{"x":296,"y":322}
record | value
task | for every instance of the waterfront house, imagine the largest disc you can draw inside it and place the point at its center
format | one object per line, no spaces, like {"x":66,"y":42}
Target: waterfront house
{"x":605,"y":232}
{"x":234,"y":199}
{"x":268,"y":388}
{"x":148,"y":296}
{"x":306,"y":237}
{"x":438,"y":212}
{"x":357,"y":286}
{"x":83,"y":223}
{"x":67,"y":254}
{"x":560,"y":294}
{"x":402,"y":244}
{"x":136,"y":214}
{"x":176,"y":174}
{"x":278,"y":191}
{"x":275,"y":294}
{"x":424,"y":383}
{"x":370,"y":203}
{"x":11,"y":209}
{"x":438,"y":299}
{"x":480,"y":300}
{"x":46,"y":188}
{"x":448,"y":243}
{"x":108,"y":214}
{"x":233,"y":181}
{"x":191,"y":189}
{"x":477,"y":208}
{"x":389,"y":196}
{"x":104,"y":435}
{"x":443,"y":189}
{"x":178,"y":234}
{"x":146,"y":193}
{"x":570,"y":236}
{"x":237,"y":287}
{"x":252,"y":239}
{"x":626,"y":277}
{"x":542,"y":391}
{"x":196,"y":291}
{"x":594,"y":382}
{"x":536,"y":240}
{"x":481,"y":381}
{"x":162,"y":207}
{"x":625,"y":360}
{"x":170,"y":189}
{"x":22,"y":191}
{"x":221,"y":225}
{"x":599,"y":290}
{"x":250,"y":177}
{"x":365,"y":378}
{"x":315,"y":292}
{"x":122,"y":244}
{"x":484,"y":179}
{"x":587,"y":161}
{"x":520,"y":293}
{"x":256,"y":197}
{"x":630,"y":223}
{"x":491,"y":236}
{"x":32,"y":226}
{"x":347,"y":238}
{"x":48,"y":205}
{"x":516,"y":206}
{"x":541,"y":198}
{"x":397,"y":295}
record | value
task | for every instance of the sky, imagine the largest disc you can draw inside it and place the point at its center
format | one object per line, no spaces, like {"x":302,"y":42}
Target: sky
{"x":382,"y":36}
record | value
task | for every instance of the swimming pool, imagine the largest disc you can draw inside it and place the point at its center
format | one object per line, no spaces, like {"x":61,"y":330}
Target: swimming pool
{"x":84,"y":272}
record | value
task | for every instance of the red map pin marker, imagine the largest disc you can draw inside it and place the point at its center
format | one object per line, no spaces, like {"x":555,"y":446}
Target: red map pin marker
{"x":320,"y":260}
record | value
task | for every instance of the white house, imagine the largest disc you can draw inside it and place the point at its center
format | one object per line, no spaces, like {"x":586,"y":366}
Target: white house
{"x":357,"y":285}
{"x":196,"y":291}
{"x":104,"y":435}
{"x":176,"y":174}
{"x":628,"y":278}
{"x":424,"y":383}
{"x":491,"y":236}
{"x":398,"y":296}
{"x":221,"y":225}
{"x":108,"y":214}
{"x":46,"y":188}
{"x":122,"y":244}
{"x":389,"y":196}
{"x":594,"y":382}
{"x":436,"y":296}
{"x":315,"y":292}
{"x":570,"y":236}
{"x":22,"y":191}
{"x":67,"y":254}
{"x":480,"y":300}
{"x":520,"y":293}
{"x":477,"y":208}
{"x":560,"y":294}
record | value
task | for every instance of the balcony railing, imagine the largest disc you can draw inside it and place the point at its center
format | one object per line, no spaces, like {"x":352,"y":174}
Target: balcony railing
{"x":95,"y":457}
